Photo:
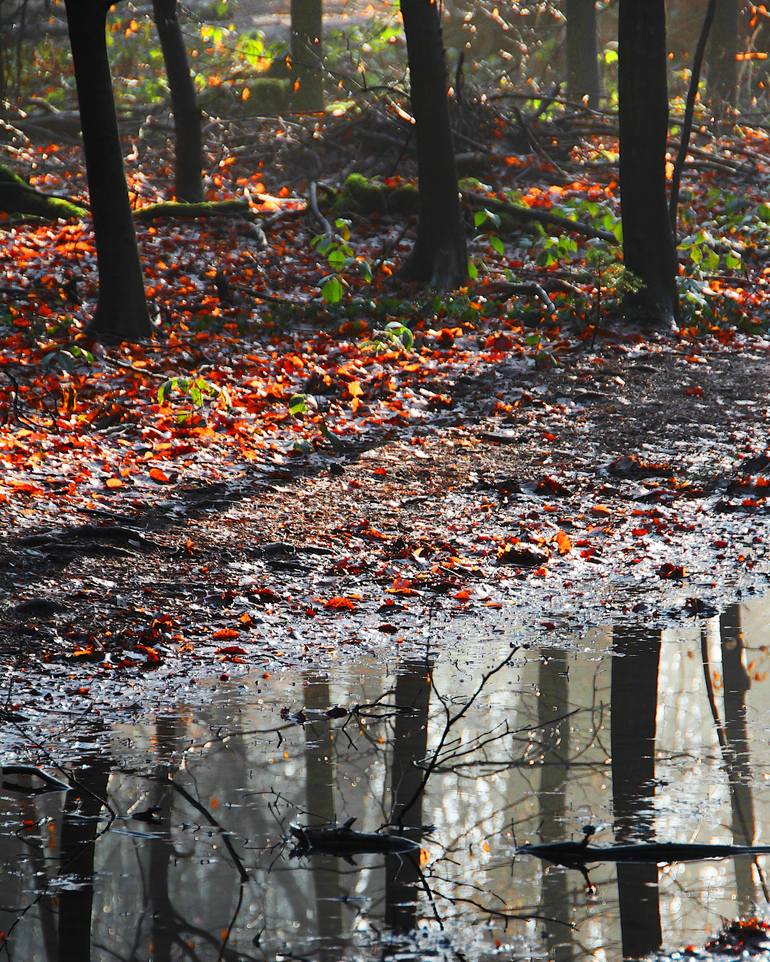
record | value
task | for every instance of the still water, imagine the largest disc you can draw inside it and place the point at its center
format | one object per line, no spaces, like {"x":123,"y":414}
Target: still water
{"x":175,"y":841}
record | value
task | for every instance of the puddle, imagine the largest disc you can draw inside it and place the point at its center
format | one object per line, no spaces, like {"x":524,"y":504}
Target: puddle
{"x":176,"y":842}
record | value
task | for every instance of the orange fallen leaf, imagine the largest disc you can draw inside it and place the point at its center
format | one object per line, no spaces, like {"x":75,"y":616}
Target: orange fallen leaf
{"x":563,"y":543}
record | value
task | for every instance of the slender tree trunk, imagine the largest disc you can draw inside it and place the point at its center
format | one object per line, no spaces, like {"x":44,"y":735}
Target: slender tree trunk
{"x":410,"y":743}
{"x":554,"y":722}
{"x":632,"y":738}
{"x":78,"y":840}
{"x":723,"y":51}
{"x":737,"y":757}
{"x":320,"y":776}
{"x":307,"y":55}
{"x":440,"y":254}
{"x":648,"y":246}
{"x":582,"y":51}
{"x":188,"y":154}
{"x":121,"y":313}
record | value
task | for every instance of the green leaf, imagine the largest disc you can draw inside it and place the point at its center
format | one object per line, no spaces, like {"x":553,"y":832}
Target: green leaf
{"x":401,"y":332}
{"x":473,"y":271}
{"x":298,"y":405}
{"x":496,"y":244}
{"x":165,"y":389}
{"x":332,"y":289}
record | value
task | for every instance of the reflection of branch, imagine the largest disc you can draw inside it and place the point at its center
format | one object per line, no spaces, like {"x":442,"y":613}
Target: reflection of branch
{"x":450,"y":722}
{"x":487,"y":738}
{"x":231,"y":926}
{"x":191,"y":800}
{"x":505,"y":916}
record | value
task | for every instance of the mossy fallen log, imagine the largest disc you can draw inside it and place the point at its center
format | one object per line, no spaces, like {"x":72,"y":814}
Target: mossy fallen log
{"x":364,"y":196}
{"x":177,"y":210}
{"x":17,"y":197}
{"x":268,"y":97}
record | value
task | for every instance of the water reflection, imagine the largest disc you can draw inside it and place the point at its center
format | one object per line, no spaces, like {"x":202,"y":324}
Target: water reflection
{"x":171,"y":843}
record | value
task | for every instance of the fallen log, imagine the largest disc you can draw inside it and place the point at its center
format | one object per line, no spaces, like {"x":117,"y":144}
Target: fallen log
{"x":342,"y":841}
{"x":536,"y":215}
{"x":17,"y":197}
{"x":178,"y":210}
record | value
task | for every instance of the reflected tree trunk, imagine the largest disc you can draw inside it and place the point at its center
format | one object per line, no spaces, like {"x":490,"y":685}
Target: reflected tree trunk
{"x":80,"y":825}
{"x":553,"y":684}
{"x":319,"y":788}
{"x":37,"y":856}
{"x":736,"y":686}
{"x":164,"y":927}
{"x":634,"y":694}
{"x":410,"y":744}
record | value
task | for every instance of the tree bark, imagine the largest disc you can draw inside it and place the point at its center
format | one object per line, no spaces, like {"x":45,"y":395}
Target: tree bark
{"x":582,"y":51}
{"x":634,"y":694}
{"x":439,"y":255}
{"x":188,"y":150}
{"x":121,"y":313}
{"x":79,"y":831}
{"x":723,"y":51}
{"x":410,"y":743}
{"x":648,"y":245}
{"x":307,"y":55}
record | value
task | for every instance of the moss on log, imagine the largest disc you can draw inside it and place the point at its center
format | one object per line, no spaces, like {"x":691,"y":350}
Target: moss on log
{"x":176,"y":210}
{"x":17,"y":197}
{"x":268,"y":96}
{"x":360,"y":195}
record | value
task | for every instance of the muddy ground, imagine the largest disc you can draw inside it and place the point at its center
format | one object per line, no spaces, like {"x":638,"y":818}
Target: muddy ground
{"x":626,"y":483}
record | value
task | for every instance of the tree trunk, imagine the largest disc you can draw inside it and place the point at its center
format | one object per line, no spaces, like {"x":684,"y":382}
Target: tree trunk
{"x":79,"y":831}
{"x":648,"y":245}
{"x":121,"y":313}
{"x":307,"y":55}
{"x":723,"y":51}
{"x":582,"y":52}
{"x":634,"y":694}
{"x":410,"y":743}
{"x":188,"y":149}
{"x":440,"y":254}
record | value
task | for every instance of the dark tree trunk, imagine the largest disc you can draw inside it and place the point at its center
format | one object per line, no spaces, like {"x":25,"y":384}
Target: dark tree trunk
{"x":737,"y":757}
{"x":439,"y":256}
{"x":648,"y":245}
{"x":188,"y":156}
{"x":307,"y":55}
{"x":410,"y":743}
{"x":634,"y":693}
{"x":582,"y":51}
{"x":320,"y":782}
{"x":121,"y":313}
{"x":723,"y":51}
{"x":553,"y":715}
{"x":80,"y":826}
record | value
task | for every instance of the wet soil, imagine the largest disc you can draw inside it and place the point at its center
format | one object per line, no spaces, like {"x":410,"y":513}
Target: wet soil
{"x":628,"y":482}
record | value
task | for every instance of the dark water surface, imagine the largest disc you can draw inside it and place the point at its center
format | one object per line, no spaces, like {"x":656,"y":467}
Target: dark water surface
{"x":173,"y":843}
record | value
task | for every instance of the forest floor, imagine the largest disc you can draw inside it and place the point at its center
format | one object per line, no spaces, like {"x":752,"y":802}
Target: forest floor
{"x":273,"y":481}
{"x":626,"y":483}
